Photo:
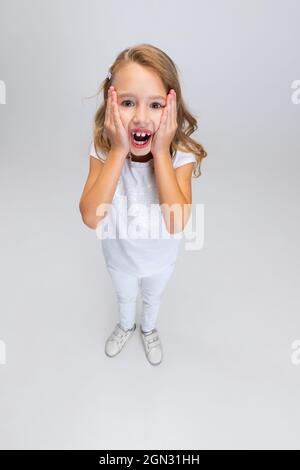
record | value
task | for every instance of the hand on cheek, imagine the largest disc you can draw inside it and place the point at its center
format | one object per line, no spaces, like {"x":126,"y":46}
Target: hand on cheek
{"x":164,"y":135}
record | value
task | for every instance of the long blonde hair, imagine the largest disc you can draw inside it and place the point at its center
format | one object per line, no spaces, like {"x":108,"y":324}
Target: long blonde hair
{"x":159,"y":62}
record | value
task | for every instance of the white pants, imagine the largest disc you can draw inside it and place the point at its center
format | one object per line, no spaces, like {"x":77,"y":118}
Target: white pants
{"x":152,"y":287}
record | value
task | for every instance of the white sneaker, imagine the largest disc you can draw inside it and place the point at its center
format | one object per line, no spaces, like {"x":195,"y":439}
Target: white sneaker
{"x":117,"y":340}
{"x":152,"y":346}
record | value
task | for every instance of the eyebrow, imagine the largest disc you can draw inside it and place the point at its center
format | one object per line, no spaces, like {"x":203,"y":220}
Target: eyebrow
{"x":153,"y":97}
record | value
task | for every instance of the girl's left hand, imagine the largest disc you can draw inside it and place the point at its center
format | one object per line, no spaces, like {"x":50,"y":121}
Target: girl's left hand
{"x":164,"y":135}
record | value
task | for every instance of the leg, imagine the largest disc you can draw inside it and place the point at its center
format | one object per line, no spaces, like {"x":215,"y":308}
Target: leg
{"x":152,"y":288}
{"x":126,"y":287}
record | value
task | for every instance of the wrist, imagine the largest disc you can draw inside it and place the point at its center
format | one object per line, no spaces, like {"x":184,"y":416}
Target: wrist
{"x":118,"y":153}
{"x":164,"y":153}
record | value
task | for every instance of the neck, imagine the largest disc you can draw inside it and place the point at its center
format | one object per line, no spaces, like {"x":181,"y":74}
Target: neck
{"x":143,"y":158}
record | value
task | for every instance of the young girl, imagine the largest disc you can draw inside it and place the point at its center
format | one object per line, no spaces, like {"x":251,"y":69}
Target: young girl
{"x":141,"y":154}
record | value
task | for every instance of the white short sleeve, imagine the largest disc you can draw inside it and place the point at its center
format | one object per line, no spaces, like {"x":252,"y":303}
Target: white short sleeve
{"x":93,"y":153}
{"x":181,"y":158}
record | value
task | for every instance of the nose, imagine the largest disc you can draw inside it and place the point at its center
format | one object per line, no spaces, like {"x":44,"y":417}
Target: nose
{"x":141,"y":115}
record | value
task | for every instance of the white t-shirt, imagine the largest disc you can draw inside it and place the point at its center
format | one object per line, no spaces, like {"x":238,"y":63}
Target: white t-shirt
{"x":137,"y":211}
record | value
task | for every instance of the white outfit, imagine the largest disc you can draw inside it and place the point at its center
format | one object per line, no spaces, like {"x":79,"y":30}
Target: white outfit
{"x":137,"y":185}
{"x":130,"y":259}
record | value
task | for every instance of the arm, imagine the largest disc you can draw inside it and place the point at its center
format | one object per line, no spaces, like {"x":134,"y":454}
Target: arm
{"x":174,"y":187}
{"x":100,"y":186}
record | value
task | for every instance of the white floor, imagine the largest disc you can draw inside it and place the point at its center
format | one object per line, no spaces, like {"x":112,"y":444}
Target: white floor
{"x":227,"y":321}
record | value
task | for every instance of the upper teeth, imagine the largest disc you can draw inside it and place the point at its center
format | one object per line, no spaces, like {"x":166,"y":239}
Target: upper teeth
{"x":141,"y":134}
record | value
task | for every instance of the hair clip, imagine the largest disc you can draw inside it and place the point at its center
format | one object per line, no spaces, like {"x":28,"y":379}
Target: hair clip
{"x":108,"y":75}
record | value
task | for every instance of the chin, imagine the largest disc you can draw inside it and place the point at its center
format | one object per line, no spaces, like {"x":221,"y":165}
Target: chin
{"x":140,"y":152}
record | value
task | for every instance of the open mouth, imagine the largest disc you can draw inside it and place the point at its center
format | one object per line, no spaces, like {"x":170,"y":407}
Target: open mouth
{"x":140,"y":139}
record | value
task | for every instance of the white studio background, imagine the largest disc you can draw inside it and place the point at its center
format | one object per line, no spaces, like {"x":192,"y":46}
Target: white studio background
{"x":230,"y":316}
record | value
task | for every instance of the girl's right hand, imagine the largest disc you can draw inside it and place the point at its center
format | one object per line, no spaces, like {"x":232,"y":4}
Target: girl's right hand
{"x":113,"y":125}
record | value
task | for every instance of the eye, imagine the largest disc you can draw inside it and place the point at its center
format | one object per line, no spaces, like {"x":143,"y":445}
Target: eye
{"x":129,"y":101}
{"x":160,"y":106}
{"x":126,"y":101}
